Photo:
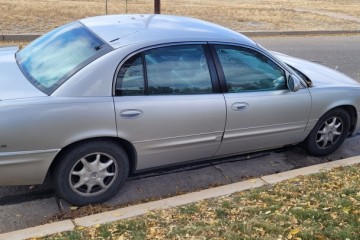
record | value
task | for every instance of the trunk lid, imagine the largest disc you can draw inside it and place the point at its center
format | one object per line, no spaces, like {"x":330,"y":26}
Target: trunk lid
{"x":13,"y":84}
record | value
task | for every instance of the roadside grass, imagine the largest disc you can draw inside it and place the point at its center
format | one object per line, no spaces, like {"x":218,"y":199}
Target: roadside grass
{"x":12,"y":43}
{"x":24,"y":16}
{"x":320,"y":206}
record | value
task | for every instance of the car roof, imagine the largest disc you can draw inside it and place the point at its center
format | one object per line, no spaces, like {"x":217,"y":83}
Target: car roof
{"x":122,"y":30}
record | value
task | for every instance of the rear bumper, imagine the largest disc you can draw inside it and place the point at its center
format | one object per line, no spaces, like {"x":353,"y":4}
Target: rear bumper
{"x":25,"y":167}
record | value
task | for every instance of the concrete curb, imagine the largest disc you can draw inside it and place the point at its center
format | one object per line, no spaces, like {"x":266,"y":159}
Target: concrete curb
{"x":279,"y":177}
{"x":140,"y":209}
{"x":39,"y":231}
{"x":19,"y":37}
{"x":32,"y":36}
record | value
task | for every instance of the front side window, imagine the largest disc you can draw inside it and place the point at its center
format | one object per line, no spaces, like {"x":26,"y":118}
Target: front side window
{"x":165,"y":70}
{"x":51,"y":59}
{"x":248,"y":70}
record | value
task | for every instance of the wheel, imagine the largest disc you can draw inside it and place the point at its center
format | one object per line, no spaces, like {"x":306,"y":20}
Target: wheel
{"x":91,"y":172}
{"x":329,"y":133}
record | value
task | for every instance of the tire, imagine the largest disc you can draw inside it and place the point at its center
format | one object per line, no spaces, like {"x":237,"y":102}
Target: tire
{"x":91,"y":172}
{"x":329,"y":133}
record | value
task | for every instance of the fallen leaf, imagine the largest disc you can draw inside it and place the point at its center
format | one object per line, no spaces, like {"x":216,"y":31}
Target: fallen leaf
{"x":346,"y":210}
{"x":295,"y":231}
{"x":289,"y":236}
{"x":321,"y":237}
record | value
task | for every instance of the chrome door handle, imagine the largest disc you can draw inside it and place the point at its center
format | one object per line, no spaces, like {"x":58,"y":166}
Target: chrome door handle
{"x":239,"y":106}
{"x":131,"y":113}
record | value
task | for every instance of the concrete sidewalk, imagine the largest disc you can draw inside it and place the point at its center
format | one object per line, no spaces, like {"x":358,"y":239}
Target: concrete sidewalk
{"x":26,"y":37}
{"x":140,"y":209}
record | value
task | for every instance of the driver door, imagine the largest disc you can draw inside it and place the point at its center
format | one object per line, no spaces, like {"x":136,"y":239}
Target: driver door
{"x":262,"y":112}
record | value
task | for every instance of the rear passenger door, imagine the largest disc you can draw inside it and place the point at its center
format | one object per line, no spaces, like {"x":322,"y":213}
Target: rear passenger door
{"x":168,"y":105}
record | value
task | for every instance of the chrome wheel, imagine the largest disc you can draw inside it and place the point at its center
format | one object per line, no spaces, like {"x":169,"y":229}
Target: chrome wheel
{"x":329,"y":132}
{"x":93,"y":174}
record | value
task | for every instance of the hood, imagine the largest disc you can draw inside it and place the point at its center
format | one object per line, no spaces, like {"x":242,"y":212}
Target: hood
{"x":319,"y":75}
{"x":13,"y":84}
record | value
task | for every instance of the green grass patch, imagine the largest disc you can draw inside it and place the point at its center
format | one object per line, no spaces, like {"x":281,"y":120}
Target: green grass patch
{"x":320,"y":206}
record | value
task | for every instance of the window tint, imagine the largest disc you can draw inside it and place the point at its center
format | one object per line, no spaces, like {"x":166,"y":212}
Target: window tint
{"x":177,"y":70}
{"x":130,"y":79}
{"x":51,"y":59}
{"x":248,"y":70}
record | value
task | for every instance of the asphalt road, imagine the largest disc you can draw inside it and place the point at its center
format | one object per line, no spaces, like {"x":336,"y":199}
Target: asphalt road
{"x":338,"y":52}
{"x":25,"y":206}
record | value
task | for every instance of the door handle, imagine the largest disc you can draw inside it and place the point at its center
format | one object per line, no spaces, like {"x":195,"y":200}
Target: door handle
{"x":131,"y":113}
{"x":239,"y":106}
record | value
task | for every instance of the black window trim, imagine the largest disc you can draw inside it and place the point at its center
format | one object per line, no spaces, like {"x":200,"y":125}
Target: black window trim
{"x":146,"y":84}
{"x":138,"y":55}
{"x":216,"y":89}
{"x":221,"y":71}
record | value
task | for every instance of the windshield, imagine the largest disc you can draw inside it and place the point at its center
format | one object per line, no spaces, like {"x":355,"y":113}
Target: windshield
{"x":51,"y":59}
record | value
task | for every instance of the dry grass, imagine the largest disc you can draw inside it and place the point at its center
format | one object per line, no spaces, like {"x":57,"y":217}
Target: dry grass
{"x":42,"y":15}
{"x":322,"y":206}
{"x":12,"y":44}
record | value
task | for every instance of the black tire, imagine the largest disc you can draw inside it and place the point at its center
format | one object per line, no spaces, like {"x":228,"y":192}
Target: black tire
{"x":86,"y":164}
{"x":322,"y":139}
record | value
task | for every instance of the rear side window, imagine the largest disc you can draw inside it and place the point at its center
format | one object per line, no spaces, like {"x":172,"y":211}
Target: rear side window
{"x":165,"y":71}
{"x":130,"y":79}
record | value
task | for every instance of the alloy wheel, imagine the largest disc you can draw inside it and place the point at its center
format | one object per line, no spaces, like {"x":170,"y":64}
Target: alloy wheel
{"x":329,"y":132}
{"x":93,"y":174}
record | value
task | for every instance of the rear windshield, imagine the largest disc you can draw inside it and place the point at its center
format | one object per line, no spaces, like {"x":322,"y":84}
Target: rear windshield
{"x":51,"y":59}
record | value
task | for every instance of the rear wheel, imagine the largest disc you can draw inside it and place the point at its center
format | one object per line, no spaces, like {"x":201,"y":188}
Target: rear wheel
{"x":329,"y":133}
{"x":91,"y":173}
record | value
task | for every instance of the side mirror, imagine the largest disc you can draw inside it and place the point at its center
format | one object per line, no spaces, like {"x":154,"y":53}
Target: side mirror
{"x":293,"y":83}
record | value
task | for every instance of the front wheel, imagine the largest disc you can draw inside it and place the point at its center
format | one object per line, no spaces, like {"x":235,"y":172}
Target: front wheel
{"x":329,"y":133}
{"x":91,"y":172}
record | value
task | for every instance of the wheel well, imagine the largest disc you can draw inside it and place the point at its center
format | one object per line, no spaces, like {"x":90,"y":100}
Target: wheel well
{"x":353,"y":116}
{"x":126,"y":145}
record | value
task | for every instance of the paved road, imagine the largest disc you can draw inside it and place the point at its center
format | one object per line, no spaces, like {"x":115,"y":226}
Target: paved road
{"x":22,"y":207}
{"x":338,"y":52}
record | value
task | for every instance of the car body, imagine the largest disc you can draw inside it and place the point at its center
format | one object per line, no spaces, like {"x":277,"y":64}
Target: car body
{"x":95,"y":100}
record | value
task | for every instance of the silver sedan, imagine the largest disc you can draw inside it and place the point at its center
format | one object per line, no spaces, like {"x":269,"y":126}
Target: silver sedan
{"x":101,"y":98}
